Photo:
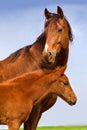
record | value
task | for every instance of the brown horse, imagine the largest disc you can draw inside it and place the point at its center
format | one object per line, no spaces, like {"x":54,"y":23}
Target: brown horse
{"x":49,"y":51}
{"x":19,"y":95}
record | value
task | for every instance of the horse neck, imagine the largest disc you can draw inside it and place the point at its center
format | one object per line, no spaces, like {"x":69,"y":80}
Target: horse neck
{"x":40,"y":43}
{"x":37,"y":48}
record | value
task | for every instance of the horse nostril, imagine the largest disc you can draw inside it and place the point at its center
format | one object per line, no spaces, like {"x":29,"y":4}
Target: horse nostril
{"x":49,"y":53}
{"x":59,"y":42}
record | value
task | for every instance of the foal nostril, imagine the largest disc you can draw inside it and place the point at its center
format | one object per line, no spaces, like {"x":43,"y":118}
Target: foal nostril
{"x":73,"y":101}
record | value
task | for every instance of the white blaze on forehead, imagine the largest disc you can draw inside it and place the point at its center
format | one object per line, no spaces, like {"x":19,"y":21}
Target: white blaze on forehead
{"x":46,"y":47}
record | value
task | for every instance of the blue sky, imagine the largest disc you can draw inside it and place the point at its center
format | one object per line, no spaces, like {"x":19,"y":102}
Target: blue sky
{"x":21,"y":4}
{"x":21,"y":22}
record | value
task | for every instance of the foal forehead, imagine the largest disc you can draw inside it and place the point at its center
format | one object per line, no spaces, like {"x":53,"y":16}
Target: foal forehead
{"x":64,"y":77}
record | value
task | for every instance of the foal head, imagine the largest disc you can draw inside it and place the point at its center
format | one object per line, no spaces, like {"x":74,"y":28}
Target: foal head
{"x":58,"y":34}
{"x":66,"y":92}
{"x":61,"y":85}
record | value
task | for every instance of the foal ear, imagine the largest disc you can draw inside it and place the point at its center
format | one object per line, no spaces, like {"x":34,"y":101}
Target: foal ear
{"x":61,"y":69}
{"x":47,"y":14}
{"x":60,"y":12}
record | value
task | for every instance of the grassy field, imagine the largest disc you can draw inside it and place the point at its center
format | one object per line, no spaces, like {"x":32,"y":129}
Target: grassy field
{"x":63,"y":128}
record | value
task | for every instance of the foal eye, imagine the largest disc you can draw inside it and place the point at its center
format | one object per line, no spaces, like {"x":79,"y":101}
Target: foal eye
{"x":60,"y":30}
{"x":65,"y":83}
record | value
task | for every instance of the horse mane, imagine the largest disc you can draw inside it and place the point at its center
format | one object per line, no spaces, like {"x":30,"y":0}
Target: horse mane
{"x":16,"y":54}
{"x":12,"y":58}
{"x":41,"y":38}
{"x":70,"y":30}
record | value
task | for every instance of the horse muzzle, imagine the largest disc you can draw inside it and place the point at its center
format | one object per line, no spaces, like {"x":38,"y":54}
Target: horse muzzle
{"x":50,"y":57}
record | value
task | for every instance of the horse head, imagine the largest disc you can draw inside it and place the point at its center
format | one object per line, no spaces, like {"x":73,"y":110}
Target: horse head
{"x":58,"y":34}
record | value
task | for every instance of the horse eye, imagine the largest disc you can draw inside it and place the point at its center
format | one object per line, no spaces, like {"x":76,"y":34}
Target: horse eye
{"x":60,"y":30}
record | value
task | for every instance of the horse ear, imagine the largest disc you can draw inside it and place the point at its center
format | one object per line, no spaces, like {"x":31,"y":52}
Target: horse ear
{"x":60,"y":12}
{"x":47,"y":14}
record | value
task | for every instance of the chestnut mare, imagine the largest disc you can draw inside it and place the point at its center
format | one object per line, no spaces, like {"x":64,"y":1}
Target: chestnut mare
{"x":49,"y":51}
{"x":19,"y":95}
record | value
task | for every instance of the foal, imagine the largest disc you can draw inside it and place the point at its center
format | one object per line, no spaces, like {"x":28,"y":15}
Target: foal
{"x":19,"y":95}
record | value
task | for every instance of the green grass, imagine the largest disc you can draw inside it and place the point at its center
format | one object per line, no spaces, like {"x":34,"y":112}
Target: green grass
{"x":63,"y":128}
